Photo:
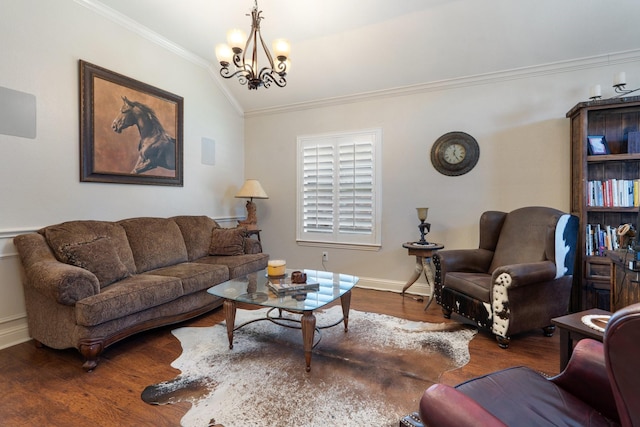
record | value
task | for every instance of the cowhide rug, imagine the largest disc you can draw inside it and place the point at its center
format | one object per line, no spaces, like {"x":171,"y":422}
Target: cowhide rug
{"x":370,"y":376}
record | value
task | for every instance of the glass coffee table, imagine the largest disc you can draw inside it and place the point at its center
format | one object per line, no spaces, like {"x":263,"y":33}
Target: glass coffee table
{"x":253,"y":289}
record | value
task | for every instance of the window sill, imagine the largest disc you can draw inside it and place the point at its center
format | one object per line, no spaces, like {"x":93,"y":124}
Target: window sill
{"x":352,"y":246}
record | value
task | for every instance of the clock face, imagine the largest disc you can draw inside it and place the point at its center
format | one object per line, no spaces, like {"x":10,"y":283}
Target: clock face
{"x":455,"y":153}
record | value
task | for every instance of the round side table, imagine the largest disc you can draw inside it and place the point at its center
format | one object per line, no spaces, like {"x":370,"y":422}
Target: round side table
{"x":423,"y":254}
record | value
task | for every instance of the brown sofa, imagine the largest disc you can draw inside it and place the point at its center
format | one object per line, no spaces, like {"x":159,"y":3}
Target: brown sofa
{"x":89,"y":284}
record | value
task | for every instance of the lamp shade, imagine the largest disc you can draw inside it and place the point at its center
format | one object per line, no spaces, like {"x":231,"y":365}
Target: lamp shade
{"x":252,"y":190}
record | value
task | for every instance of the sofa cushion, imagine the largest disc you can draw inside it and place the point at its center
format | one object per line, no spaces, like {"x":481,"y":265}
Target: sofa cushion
{"x":195,"y":277}
{"x":227,"y":241}
{"x":99,"y":257}
{"x":127,"y":296}
{"x":74,"y":232}
{"x":155,"y":242}
{"x":196,"y":232}
{"x":238,"y":265}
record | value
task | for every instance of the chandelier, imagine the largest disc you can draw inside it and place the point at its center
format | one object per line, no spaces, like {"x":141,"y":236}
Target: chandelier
{"x":242,"y":51}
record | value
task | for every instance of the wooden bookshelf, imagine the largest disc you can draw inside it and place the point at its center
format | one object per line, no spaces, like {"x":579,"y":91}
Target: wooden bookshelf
{"x":613,"y":118}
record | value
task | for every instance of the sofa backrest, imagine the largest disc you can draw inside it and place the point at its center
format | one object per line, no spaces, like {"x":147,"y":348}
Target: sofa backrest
{"x":154,"y":242}
{"x":196,"y":231}
{"x":142,"y":244}
{"x":62,"y":237}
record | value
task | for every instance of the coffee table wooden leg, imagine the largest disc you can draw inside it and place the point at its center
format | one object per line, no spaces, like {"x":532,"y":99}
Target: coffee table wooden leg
{"x":230,"y":317}
{"x":308,"y":331}
{"x":345,"y":301}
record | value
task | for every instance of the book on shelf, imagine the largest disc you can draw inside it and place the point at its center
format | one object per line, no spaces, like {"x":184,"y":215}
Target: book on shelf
{"x":284,"y":286}
{"x":613,"y":193}
{"x":601,"y":238}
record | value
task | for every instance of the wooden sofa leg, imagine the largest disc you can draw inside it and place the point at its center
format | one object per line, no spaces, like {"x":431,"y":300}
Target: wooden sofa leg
{"x":503,"y":342}
{"x":90,"y":350}
{"x":38,"y":344}
{"x":446,"y":313}
{"x":549,"y":330}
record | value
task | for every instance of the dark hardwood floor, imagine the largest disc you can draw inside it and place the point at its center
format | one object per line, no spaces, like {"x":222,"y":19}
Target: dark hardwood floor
{"x":45,"y":387}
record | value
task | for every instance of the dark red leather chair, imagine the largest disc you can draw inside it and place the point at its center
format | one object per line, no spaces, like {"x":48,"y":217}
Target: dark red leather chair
{"x":599,"y":387}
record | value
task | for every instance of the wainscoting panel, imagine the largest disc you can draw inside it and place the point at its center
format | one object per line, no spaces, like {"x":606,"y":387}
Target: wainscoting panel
{"x":13,"y":316}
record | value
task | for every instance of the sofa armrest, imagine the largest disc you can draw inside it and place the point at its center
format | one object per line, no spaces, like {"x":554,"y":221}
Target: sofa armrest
{"x":585,"y":377}
{"x":525,"y":274}
{"x":63,"y":282}
{"x":252,"y":246}
{"x":444,"y":406}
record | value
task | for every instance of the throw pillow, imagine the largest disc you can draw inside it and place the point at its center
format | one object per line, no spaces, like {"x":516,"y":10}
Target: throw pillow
{"x":99,"y":257}
{"x":227,"y":241}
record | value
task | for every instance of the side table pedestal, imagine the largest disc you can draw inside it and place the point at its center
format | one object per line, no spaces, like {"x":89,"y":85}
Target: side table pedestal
{"x":423,"y":254}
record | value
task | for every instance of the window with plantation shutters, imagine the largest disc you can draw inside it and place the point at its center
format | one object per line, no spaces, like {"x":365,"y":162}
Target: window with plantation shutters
{"x":338,"y":188}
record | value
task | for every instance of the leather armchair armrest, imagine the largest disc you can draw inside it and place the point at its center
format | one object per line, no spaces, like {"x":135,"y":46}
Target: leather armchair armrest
{"x":444,"y":406}
{"x":586,"y":378}
{"x":525,"y":274}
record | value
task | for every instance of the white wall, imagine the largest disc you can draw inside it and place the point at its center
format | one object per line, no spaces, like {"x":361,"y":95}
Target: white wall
{"x":518,"y":119}
{"x":41,"y":43}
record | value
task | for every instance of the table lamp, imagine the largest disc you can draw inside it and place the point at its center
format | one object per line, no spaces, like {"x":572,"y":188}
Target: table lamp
{"x":422,"y":216}
{"x":251,"y":190}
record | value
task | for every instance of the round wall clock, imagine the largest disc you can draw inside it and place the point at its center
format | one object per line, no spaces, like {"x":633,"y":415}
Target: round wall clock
{"x":455,"y":153}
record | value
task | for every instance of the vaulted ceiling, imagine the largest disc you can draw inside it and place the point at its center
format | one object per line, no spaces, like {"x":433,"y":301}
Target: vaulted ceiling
{"x":341,"y":48}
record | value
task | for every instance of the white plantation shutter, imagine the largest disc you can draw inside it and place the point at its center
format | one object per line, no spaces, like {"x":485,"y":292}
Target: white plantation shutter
{"x":318,"y":193}
{"x":338,"y":180}
{"x":355,"y":204}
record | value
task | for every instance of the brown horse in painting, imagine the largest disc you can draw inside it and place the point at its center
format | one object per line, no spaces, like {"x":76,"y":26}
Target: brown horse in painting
{"x":156,"y":148}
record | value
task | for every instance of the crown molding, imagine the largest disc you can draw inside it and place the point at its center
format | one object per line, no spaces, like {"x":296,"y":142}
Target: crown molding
{"x":135,"y":27}
{"x":461,"y":82}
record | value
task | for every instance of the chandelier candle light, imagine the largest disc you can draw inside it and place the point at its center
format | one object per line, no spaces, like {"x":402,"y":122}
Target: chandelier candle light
{"x":242,"y":51}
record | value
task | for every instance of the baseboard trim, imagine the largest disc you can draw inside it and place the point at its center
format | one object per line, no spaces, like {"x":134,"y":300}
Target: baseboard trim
{"x":14,"y":335}
{"x":418,"y":288}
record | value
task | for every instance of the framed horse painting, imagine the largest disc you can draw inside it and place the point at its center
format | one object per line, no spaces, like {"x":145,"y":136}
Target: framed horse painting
{"x":130,"y":132}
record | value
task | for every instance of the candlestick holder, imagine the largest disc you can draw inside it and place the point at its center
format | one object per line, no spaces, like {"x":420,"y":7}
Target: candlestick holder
{"x":422,"y":216}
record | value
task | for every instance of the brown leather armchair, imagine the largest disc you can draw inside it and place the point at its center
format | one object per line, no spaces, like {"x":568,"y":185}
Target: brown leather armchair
{"x":599,"y":387}
{"x":520,"y":276}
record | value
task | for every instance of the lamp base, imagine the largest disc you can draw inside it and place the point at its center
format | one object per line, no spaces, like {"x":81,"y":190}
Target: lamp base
{"x":251,"y":223}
